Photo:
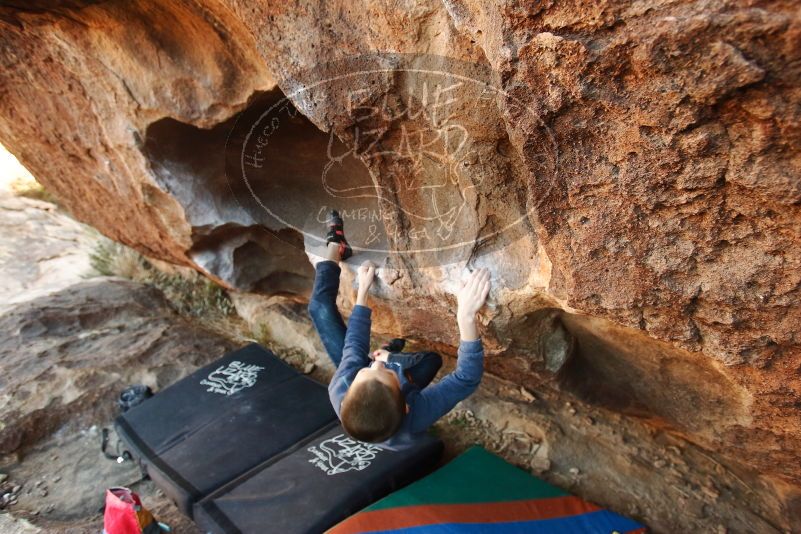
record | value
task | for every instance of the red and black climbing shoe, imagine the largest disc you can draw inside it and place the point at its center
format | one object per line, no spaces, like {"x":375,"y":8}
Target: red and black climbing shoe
{"x":394,"y":345}
{"x":336,"y":234}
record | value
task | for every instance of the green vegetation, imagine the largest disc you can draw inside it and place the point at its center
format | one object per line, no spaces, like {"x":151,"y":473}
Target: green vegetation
{"x":192,"y":296}
{"x":189,"y":293}
{"x":30,"y":188}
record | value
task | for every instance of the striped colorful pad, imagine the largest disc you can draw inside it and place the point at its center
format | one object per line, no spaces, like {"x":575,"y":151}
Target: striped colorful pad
{"x":480,"y":493}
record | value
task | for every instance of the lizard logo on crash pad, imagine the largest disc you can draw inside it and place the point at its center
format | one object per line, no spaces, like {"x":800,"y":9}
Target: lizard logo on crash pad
{"x":340,"y":454}
{"x":231,"y":378}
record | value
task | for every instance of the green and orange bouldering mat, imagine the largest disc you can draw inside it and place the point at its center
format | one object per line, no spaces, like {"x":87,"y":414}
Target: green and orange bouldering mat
{"x":480,"y":493}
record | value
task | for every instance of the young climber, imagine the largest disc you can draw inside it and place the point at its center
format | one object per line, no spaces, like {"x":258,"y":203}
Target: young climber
{"x":385,"y":397}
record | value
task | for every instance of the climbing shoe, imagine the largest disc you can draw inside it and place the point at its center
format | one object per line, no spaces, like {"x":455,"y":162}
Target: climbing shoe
{"x":336,"y":234}
{"x":394,"y":345}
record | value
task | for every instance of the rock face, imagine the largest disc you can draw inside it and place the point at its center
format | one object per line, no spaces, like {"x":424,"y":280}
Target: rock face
{"x":55,"y":259}
{"x":65,"y":357}
{"x":629,"y":172}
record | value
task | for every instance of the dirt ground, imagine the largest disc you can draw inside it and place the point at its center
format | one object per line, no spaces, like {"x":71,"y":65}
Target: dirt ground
{"x":61,"y":482}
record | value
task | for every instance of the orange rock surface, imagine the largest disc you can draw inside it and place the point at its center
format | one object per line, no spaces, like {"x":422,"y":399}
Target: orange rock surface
{"x":630,"y":173}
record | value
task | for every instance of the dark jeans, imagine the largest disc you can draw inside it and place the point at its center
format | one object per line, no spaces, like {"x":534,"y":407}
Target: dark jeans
{"x":419,"y":367}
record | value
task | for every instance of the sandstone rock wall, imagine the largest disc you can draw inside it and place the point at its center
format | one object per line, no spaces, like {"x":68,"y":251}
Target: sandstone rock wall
{"x":642,"y":160}
{"x":66,"y":356}
{"x":58,"y":258}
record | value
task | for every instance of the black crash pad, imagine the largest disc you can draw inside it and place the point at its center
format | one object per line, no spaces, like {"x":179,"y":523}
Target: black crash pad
{"x":219,"y":422}
{"x":316,"y":484}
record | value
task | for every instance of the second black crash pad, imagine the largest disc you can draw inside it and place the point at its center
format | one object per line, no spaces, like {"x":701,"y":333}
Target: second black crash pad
{"x":223,"y":420}
{"x":321,"y":481}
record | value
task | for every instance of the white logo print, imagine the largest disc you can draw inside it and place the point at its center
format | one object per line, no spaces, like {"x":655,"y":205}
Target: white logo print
{"x":227,"y":380}
{"x":341,"y":454}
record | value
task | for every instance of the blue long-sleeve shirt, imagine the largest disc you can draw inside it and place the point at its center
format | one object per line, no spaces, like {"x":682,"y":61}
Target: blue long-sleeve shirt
{"x":426,"y":405}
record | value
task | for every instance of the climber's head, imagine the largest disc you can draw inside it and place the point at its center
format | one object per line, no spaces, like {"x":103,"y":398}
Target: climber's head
{"x":373,"y":407}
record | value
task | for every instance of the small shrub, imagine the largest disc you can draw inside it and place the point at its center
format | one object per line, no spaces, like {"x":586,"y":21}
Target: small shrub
{"x":195,"y":296}
{"x":191,"y":295}
{"x":110,"y":258}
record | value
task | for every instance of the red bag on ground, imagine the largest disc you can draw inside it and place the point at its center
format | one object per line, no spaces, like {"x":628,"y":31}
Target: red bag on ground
{"x":125,"y":514}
